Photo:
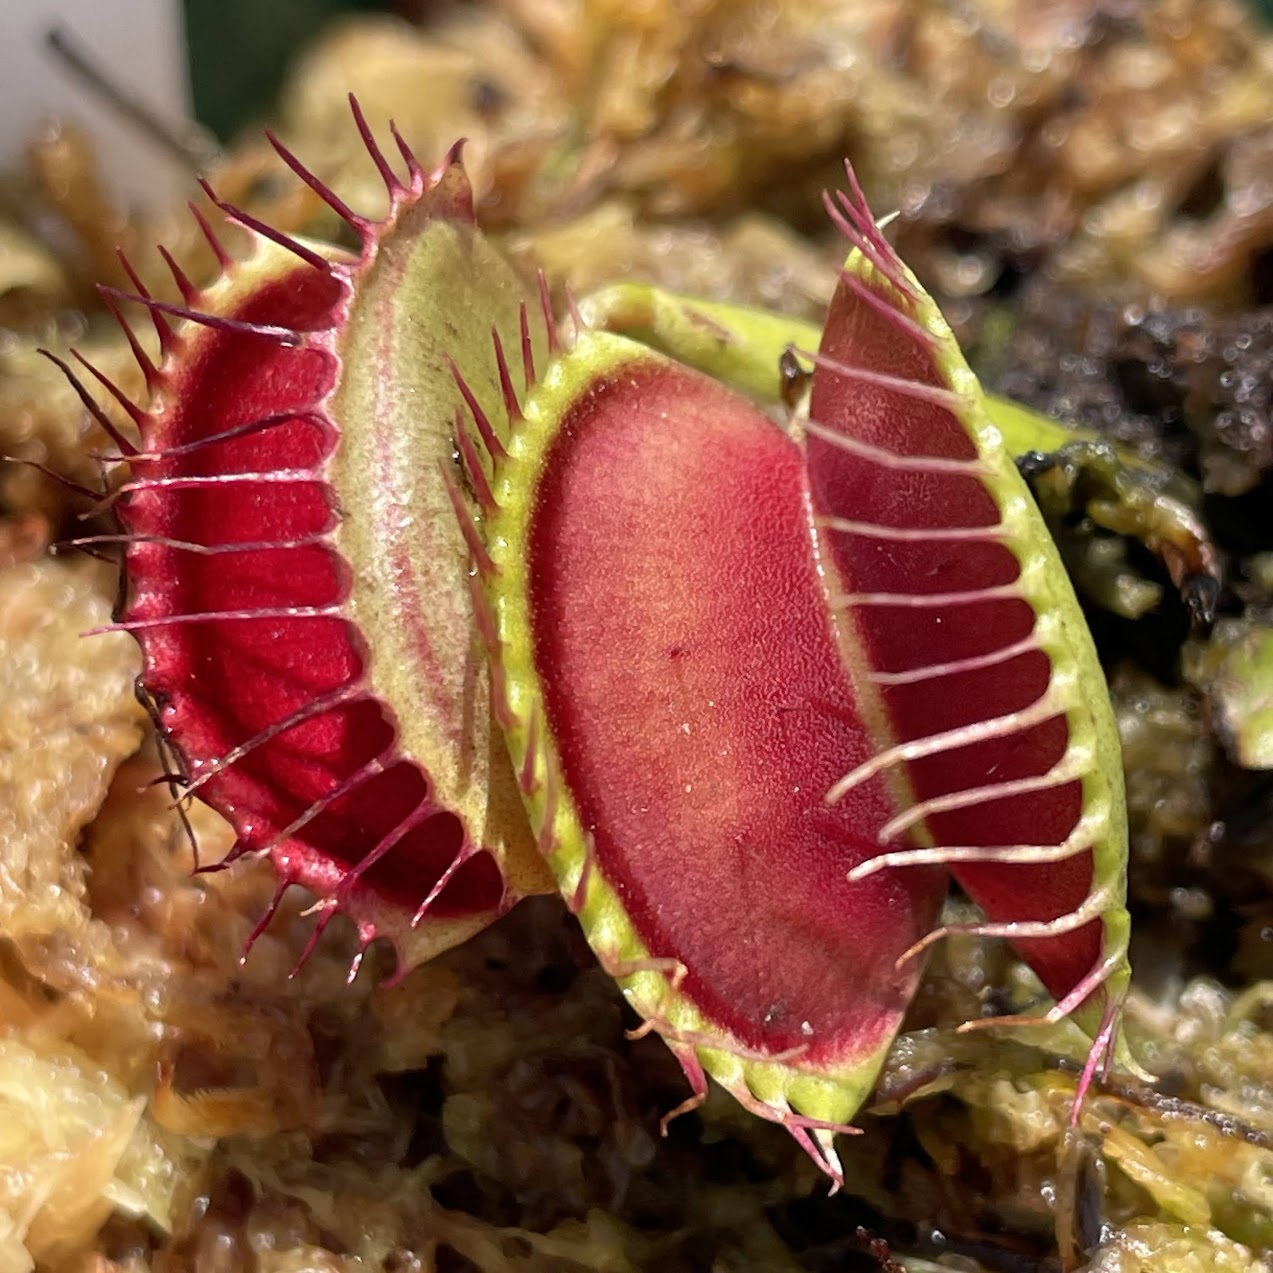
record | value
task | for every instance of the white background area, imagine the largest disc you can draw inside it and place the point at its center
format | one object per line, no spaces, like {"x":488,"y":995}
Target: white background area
{"x":139,"y":44}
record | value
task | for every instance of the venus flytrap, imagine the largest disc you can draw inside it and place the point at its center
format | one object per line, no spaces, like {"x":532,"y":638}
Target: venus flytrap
{"x":747,"y":634}
{"x":296,"y":576}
